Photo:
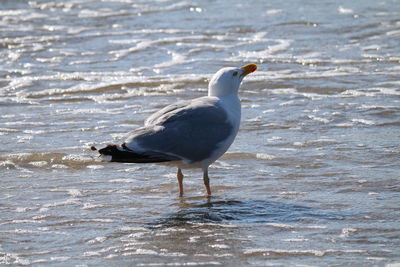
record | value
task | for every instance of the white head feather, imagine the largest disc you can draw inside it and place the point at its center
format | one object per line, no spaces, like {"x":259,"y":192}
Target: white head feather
{"x":227,"y":80}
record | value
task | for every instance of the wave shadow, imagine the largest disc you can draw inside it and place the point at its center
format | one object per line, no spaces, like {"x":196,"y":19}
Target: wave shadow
{"x":242,"y":212}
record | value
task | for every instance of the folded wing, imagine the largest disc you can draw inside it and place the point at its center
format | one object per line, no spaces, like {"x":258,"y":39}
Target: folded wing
{"x":189,"y":131}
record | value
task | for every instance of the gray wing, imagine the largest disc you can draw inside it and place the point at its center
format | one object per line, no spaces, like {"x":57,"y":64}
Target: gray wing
{"x":166,"y":112}
{"x":188,"y":130}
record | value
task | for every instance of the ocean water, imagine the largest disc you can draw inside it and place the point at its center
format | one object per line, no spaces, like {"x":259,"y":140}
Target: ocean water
{"x":312,"y":178}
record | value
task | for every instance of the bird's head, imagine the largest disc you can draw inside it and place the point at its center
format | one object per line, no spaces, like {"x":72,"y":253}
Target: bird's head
{"x":227,"y":80}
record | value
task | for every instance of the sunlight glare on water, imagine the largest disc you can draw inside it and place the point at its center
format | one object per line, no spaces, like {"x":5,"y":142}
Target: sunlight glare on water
{"x":311,"y":179}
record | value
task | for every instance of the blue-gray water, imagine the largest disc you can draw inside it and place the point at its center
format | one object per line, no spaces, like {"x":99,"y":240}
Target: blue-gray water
{"x":312,"y":178}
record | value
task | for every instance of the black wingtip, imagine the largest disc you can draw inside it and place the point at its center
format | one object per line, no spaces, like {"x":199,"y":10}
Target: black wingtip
{"x":93,"y":148}
{"x":110,"y":150}
{"x":124,"y":154}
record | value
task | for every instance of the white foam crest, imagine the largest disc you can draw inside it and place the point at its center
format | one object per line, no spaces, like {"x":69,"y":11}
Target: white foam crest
{"x":270,"y":51}
{"x":344,"y":125}
{"x":59,"y":166}
{"x":19,"y":83}
{"x":141,"y":251}
{"x":274,"y":138}
{"x":319,"y":119}
{"x":285,"y":193}
{"x":95,"y":167}
{"x":132,"y":229}
{"x":284,"y":91}
{"x":363,"y":121}
{"x":99,"y":239}
{"x":15,"y":12}
{"x":272,"y":12}
{"x":144,"y":9}
{"x":371,"y":92}
{"x":300,"y":252}
{"x":372,"y":47}
{"x":124,"y":41}
{"x":219,"y":164}
{"x":131,"y":169}
{"x":38,"y":163}
{"x":343,"y":10}
{"x":295,"y":240}
{"x":4,"y":131}
{"x":75,"y":193}
{"x":144,"y":44}
{"x":88,"y":206}
{"x":394,"y":33}
{"x":387,"y":91}
{"x":346,"y":232}
{"x":309,"y":58}
{"x":71,"y":201}
{"x":259,"y":37}
{"x":281,"y":225}
{"x":78,"y":89}
{"x":122,"y":180}
{"x":106,"y":82}
{"x":21,"y":14}
{"x":52,"y":5}
{"x":374,"y":106}
{"x":77,"y":158}
{"x":393,"y":264}
{"x":151,"y":32}
{"x":265,"y":156}
{"x":176,"y":59}
{"x":104,"y":12}
{"x":289,"y":226}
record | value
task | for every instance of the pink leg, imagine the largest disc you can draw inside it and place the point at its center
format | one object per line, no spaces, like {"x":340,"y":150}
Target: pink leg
{"x":179,"y":175}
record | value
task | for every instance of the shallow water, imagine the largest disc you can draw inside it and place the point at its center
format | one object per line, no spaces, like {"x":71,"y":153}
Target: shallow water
{"x":312,"y":178}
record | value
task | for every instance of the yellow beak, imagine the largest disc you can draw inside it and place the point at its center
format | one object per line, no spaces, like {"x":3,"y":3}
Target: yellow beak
{"x":248,"y":69}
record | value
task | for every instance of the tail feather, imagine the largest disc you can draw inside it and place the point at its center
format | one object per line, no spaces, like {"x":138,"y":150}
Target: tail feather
{"x":123,"y":154}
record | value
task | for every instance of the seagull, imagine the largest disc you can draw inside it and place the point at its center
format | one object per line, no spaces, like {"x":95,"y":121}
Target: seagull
{"x":188,"y":134}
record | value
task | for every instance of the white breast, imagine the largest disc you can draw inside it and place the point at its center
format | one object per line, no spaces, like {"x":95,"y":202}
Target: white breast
{"x":231,"y":105}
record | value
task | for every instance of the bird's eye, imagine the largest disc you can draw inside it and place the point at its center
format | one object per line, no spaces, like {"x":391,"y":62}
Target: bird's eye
{"x":235,"y":73}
